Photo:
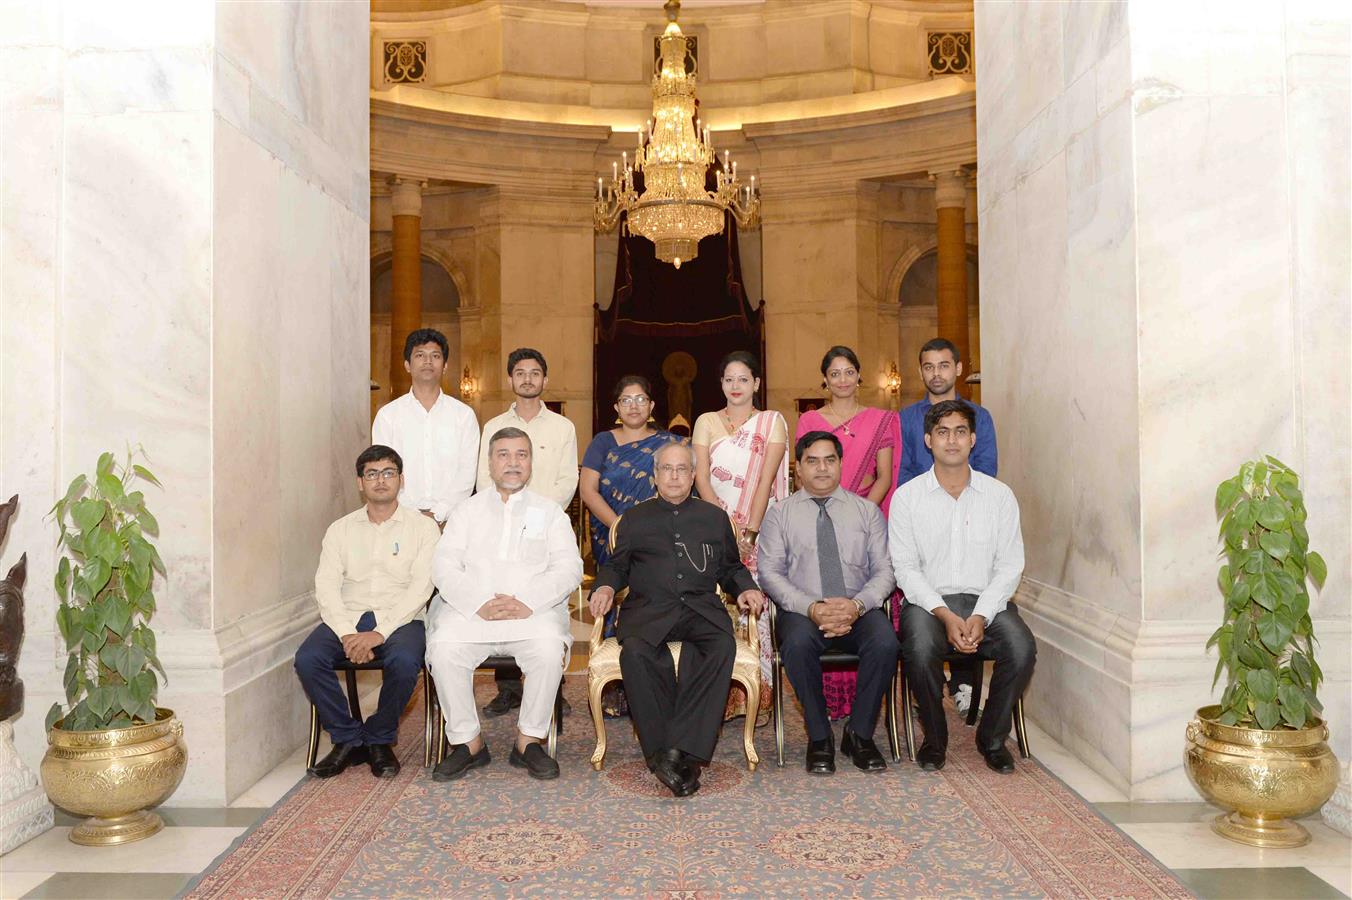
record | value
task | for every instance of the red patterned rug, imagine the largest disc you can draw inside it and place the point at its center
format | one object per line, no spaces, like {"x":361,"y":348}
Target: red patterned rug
{"x":962,"y":832}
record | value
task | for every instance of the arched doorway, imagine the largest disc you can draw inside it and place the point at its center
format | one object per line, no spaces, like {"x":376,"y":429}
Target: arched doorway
{"x":440,"y":310}
{"x":918,"y":319}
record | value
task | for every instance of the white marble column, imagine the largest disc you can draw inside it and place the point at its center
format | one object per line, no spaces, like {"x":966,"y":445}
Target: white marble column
{"x":1150,"y":223}
{"x":210,"y":185}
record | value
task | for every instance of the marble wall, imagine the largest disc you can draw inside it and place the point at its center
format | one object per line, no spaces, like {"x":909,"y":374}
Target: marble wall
{"x":185,"y":217}
{"x":1156,"y":185}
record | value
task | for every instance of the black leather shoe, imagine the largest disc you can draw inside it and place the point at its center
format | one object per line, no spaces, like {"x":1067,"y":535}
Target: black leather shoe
{"x":672,"y":771}
{"x":821,"y":757}
{"x":459,"y":761}
{"x":507,"y":700}
{"x":861,"y":751}
{"x":339,"y":758}
{"x":535,"y":761}
{"x":383,"y":761}
{"x":930,"y":758}
{"x":999,"y":759}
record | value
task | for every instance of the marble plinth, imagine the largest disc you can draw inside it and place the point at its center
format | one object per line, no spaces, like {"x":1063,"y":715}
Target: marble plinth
{"x":1337,"y":813}
{"x":24,"y":810}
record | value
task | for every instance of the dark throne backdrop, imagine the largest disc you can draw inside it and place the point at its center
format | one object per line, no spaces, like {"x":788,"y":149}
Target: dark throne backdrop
{"x":658,"y":310}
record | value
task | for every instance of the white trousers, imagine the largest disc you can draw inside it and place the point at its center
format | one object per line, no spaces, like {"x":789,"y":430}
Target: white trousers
{"x":453,"y":663}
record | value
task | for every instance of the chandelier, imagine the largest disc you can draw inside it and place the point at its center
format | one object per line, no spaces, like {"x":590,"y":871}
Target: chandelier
{"x":675,"y":210}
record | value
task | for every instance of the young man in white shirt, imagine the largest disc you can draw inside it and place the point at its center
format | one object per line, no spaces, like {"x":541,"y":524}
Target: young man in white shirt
{"x":954,"y":537}
{"x":437,"y":435}
{"x":504,"y":569}
{"x":373,"y":580}
{"x":553,"y":467}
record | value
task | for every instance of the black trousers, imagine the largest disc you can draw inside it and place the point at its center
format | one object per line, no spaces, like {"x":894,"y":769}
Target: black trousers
{"x":801,"y":645}
{"x":679,"y":710}
{"x":1008,"y":642}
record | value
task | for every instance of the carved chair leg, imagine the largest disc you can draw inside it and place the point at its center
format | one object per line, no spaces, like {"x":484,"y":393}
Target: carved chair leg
{"x":778,"y":711}
{"x":313,"y":753}
{"x":752,"y":687}
{"x":594,"y":688}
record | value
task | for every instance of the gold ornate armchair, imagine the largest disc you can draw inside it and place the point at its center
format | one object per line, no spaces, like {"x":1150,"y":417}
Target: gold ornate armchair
{"x":603,"y":667}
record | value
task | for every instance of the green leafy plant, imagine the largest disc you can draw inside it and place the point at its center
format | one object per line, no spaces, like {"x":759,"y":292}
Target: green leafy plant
{"x":1266,"y":639}
{"x":103,"y":580}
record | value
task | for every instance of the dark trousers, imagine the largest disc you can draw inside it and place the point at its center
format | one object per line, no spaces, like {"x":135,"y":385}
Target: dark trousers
{"x":402,"y":656}
{"x":1008,"y":642}
{"x":679,"y":710}
{"x":801,"y":645}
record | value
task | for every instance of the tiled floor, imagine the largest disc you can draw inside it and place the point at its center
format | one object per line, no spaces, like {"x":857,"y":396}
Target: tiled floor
{"x":1177,"y":834}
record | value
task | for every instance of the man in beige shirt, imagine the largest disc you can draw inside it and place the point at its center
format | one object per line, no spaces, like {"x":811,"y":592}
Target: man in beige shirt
{"x":373,"y":580}
{"x":553,"y":474}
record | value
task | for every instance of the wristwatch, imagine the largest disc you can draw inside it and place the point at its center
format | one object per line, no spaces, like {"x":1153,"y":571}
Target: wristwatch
{"x":859,"y":605}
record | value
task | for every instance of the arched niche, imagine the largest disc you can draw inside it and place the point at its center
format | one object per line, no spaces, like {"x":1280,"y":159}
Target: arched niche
{"x":441,"y":302}
{"x":914,"y":284}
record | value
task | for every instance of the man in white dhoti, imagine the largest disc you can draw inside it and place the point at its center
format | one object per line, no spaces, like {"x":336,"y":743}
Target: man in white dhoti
{"x":504,"y":569}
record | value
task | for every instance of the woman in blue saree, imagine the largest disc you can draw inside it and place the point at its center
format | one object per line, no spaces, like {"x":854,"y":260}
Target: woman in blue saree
{"x":616,"y":474}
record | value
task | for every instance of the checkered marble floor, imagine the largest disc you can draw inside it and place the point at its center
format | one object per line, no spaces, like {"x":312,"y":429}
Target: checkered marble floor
{"x":1177,"y":834}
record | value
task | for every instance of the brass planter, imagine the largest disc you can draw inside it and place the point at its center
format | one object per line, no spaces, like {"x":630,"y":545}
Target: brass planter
{"x":1263,"y":777}
{"x":115,"y":776}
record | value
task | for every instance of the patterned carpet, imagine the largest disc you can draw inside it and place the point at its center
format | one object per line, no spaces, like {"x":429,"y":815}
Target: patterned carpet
{"x":962,"y":832}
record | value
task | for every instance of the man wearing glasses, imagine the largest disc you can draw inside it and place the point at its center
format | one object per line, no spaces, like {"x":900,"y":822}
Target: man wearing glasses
{"x":673,"y":553}
{"x":374,"y":578}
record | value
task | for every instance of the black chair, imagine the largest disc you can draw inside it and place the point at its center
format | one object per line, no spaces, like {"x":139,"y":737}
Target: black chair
{"x":835,"y":659}
{"x":956,"y":662}
{"x":350,"y":670}
{"x":437,"y":722}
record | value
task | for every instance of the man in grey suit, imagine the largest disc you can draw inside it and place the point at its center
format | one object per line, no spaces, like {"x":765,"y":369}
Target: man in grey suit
{"x":822,"y":558}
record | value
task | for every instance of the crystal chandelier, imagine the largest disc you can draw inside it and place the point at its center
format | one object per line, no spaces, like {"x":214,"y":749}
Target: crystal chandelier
{"x":674,"y":153}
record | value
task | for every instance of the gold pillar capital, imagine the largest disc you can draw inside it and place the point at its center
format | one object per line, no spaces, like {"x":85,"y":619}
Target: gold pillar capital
{"x":950,"y":188}
{"x":406,"y":195}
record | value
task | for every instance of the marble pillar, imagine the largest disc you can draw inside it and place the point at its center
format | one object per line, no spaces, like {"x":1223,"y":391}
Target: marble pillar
{"x":209,"y":182}
{"x":534,"y":288}
{"x":821,"y":271}
{"x":406,"y":275}
{"x":1150,"y":221}
{"x":950,"y":210}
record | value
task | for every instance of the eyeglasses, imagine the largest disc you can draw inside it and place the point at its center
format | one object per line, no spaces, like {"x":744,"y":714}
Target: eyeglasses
{"x":382,"y":475}
{"x":673,"y":470}
{"x":633,"y":400}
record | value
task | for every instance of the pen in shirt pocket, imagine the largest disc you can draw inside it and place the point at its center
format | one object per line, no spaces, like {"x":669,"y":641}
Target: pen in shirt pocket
{"x":396,"y":548}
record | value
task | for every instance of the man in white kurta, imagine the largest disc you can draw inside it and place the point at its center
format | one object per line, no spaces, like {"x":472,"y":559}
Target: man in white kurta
{"x":504,"y":569}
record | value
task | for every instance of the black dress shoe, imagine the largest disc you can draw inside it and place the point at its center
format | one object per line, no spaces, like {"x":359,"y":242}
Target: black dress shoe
{"x":507,"y":700}
{"x":861,"y":751}
{"x":821,"y":757}
{"x":339,"y":758}
{"x":383,"y":761}
{"x":999,"y":759}
{"x":535,"y":761}
{"x":930,"y":758}
{"x":459,"y":761}
{"x":671,"y":770}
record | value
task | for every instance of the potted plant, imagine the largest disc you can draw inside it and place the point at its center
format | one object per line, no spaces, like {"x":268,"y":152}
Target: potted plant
{"x":1262,"y":752}
{"x":113,"y":753}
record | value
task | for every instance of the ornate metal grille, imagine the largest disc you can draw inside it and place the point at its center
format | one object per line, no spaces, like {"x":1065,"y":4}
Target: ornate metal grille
{"x":950,"y":52}
{"x":405,"y":62}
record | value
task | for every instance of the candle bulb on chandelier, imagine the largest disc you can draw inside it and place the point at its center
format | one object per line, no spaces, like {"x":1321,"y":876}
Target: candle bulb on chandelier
{"x":614,"y":171}
{"x":727,"y":165}
{"x":599,"y":192}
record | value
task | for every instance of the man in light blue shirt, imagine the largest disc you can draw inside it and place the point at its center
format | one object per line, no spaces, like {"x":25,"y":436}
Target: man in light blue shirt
{"x":955,"y":542}
{"x":940,"y":369}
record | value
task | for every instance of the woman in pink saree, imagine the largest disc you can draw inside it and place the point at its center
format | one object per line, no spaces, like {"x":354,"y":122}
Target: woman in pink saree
{"x":871,"y":439}
{"x":742,"y":465}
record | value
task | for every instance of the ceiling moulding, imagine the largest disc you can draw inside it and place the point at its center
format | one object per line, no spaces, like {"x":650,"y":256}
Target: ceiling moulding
{"x":823,"y":113}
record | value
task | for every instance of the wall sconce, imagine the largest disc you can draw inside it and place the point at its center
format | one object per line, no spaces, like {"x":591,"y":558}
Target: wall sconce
{"x":893,"y":380}
{"x":467,"y":387}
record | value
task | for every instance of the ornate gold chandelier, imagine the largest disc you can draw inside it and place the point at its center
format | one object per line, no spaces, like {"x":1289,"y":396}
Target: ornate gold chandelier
{"x":675,"y":210}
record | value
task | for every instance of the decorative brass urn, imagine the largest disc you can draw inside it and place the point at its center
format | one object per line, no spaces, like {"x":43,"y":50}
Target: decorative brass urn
{"x":1263,"y":777}
{"x":115,"y":776}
